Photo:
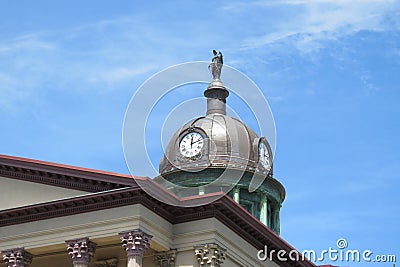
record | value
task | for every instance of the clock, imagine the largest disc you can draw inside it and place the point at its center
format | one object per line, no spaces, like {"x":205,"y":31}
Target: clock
{"x":191,"y":144}
{"x":263,"y":155}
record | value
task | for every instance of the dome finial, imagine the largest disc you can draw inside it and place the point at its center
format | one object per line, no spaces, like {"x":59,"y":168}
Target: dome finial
{"x":216,"y":92}
{"x":215,"y":66}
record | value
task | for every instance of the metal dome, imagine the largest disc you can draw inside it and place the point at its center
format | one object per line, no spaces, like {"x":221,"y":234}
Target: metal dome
{"x":228,"y":143}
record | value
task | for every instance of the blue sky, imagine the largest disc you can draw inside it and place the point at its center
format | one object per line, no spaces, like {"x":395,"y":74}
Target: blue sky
{"x":329,"y":70}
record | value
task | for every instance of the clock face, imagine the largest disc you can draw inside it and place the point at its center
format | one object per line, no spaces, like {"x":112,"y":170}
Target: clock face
{"x":263,"y":155}
{"x":191,"y":144}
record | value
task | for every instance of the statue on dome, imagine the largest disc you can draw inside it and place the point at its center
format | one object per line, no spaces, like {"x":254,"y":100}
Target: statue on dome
{"x":215,"y":66}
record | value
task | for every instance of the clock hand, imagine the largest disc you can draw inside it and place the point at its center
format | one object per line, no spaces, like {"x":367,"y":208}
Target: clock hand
{"x":191,"y":142}
{"x":196,"y":141}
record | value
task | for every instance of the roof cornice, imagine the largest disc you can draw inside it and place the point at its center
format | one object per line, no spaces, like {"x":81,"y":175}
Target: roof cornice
{"x":60,"y":175}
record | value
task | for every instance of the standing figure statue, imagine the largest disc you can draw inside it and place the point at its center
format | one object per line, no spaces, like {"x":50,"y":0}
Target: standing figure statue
{"x":215,"y":66}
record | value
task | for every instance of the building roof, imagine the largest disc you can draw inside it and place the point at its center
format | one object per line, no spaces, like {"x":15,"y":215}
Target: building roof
{"x":109,"y":190}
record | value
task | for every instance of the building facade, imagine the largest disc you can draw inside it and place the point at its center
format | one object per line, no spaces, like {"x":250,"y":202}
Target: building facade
{"x":58,"y":215}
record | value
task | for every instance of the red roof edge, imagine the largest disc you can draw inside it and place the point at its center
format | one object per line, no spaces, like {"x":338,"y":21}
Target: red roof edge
{"x":64,"y":166}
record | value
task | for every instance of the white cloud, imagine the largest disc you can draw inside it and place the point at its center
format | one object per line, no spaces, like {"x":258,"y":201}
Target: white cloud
{"x":120,"y":74}
{"x":27,"y":41}
{"x":315,"y":21}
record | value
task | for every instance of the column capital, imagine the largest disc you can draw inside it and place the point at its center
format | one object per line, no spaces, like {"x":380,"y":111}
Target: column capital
{"x":165,"y":259}
{"x":135,"y":242}
{"x":210,"y":254}
{"x":81,"y":250}
{"x":16,"y":257}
